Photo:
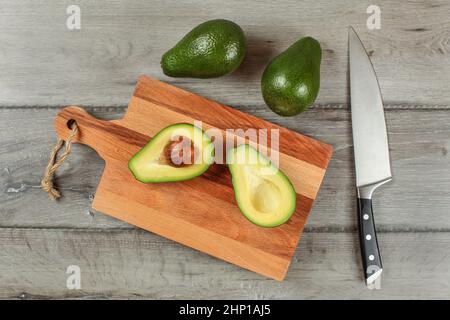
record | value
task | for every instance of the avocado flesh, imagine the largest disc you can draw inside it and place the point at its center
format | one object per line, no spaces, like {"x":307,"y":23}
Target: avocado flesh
{"x":263,"y":193}
{"x":212,"y":49}
{"x":150,"y":163}
{"x":291,"y":81}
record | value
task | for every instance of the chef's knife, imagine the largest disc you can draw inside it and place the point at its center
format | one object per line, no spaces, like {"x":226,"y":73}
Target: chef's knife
{"x":371,"y":149}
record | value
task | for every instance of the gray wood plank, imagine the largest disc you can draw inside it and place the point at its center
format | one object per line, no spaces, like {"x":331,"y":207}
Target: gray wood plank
{"x":44,"y":63}
{"x":417,"y":199}
{"x":137,"y":264}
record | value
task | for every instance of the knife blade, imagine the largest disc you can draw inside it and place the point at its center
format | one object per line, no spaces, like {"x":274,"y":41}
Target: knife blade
{"x":371,"y":149}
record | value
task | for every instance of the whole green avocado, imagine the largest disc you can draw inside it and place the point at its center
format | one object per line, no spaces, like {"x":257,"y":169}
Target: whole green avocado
{"x":212,"y":49}
{"x":291,"y":81}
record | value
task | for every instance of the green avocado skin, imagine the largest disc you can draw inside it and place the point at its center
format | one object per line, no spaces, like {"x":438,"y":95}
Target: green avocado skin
{"x":291,"y":81}
{"x":212,"y":49}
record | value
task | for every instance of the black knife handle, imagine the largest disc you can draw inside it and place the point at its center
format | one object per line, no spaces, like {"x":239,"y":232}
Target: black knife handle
{"x":368,"y":238}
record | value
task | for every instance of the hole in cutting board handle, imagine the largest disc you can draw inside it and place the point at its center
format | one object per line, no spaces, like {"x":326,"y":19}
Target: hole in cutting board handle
{"x":70,"y":123}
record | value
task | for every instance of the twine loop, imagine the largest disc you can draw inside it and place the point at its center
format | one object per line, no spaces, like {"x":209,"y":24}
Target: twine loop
{"x":54,"y":163}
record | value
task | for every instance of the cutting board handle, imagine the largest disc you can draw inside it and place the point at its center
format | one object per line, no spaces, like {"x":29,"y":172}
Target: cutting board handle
{"x":91,"y":131}
{"x":83,"y":119}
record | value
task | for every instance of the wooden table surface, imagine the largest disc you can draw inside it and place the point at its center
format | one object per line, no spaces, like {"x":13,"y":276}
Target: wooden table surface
{"x":44,"y":65}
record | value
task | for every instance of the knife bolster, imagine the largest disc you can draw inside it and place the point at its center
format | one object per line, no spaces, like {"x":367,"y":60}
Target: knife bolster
{"x":365,"y":192}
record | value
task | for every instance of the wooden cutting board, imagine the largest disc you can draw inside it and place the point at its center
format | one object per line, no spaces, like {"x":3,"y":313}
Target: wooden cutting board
{"x":200,"y":213}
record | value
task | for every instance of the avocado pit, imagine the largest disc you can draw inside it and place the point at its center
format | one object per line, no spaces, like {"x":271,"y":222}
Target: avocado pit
{"x":180,"y":152}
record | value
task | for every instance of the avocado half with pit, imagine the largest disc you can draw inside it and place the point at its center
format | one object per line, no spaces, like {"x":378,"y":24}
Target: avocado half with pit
{"x":263,"y":193}
{"x":176,"y":153}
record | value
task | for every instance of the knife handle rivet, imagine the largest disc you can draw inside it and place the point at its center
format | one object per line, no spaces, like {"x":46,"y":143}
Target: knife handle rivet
{"x":371,"y":257}
{"x":368,"y":237}
{"x":366,"y":217}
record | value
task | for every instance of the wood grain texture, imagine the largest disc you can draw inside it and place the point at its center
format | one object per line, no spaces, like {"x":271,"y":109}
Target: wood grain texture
{"x":411,"y":212}
{"x":136,"y":264}
{"x":417,"y":199}
{"x":201,"y":213}
{"x":98,"y":65}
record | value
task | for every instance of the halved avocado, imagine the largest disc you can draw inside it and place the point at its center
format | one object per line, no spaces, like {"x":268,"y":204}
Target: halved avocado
{"x":176,"y":153}
{"x":263,"y":193}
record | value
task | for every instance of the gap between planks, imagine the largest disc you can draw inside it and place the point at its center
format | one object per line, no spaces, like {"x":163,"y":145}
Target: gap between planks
{"x":311,"y":229}
{"x":331,"y":106}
